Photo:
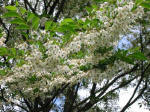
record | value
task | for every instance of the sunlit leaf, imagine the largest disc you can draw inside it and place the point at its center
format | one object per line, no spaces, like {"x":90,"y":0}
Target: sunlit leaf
{"x":3,"y":51}
{"x":23,"y":27}
{"x":35,"y":23}
{"x":138,"y":56}
{"x":12,"y":8}
{"x":18,"y":21}
{"x":145,"y":5}
{"x":11,"y":14}
{"x":30,"y":16}
{"x":23,"y":10}
{"x":48,"y":24}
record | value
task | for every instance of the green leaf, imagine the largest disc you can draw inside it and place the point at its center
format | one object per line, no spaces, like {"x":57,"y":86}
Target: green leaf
{"x":20,"y":62}
{"x":41,"y":47}
{"x":145,"y":5}
{"x":36,"y":90}
{"x":103,"y":50}
{"x":18,"y":21}
{"x":13,"y":52}
{"x":23,"y":27}
{"x":17,"y":4}
{"x":30,"y":16}
{"x":1,"y":35}
{"x":123,"y":56}
{"x":23,"y":10}
{"x":11,"y":8}
{"x":136,"y":49}
{"x":138,"y":2}
{"x":3,"y":51}
{"x":66,"y":21}
{"x":3,"y":72}
{"x":138,"y":56}
{"x":48,"y":24}
{"x":11,"y":14}
{"x":78,"y":55}
{"x":85,"y":67}
{"x":35,"y":23}
{"x":107,"y":61}
{"x":32,"y":79}
{"x":62,"y":60}
{"x":89,"y":9}
{"x":53,"y":74}
{"x":25,"y":34}
{"x":127,"y":60}
{"x":20,"y":52}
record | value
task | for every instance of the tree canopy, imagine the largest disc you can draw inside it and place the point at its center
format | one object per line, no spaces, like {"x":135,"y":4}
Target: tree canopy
{"x":51,"y":49}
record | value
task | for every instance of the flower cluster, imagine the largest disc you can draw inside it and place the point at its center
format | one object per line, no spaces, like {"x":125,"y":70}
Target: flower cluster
{"x":2,"y":44}
{"x":61,"y":64}
{"x":2,"y":40}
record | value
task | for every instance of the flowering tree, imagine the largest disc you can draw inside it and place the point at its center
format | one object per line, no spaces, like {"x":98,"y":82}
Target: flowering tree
{"x":47,"y":54}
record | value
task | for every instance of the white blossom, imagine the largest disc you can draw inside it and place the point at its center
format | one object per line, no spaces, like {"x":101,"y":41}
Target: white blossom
{"x":59,"y":67}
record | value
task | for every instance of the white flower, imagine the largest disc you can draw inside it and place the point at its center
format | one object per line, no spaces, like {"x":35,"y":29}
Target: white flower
{"x":2,"y":40}
{"x":58,"y":67}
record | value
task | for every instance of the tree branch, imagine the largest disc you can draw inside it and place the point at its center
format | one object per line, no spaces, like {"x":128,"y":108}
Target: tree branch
{"x":37,"y":1}
{"x":70,"y":97}
{"x":92,"y":102}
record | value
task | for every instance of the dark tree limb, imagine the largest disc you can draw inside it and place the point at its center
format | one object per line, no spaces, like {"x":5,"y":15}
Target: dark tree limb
{"x":71,"y":97}
{"x":37,"y":102}
{"x":93,"y":89}
{"x":124,"y":84}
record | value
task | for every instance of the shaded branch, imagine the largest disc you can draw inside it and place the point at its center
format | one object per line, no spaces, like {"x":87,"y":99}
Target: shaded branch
{"x":60,"y":9}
